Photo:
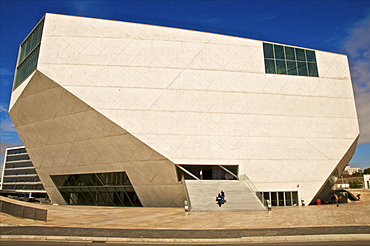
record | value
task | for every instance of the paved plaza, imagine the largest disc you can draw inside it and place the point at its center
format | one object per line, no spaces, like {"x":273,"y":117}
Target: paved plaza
{"x":325,"y":222}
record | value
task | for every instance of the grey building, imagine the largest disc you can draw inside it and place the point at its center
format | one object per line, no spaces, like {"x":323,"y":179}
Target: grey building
{"x":19,"y":177}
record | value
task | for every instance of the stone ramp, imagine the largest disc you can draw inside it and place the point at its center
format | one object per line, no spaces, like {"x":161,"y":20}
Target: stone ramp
{"x":202,"y":195}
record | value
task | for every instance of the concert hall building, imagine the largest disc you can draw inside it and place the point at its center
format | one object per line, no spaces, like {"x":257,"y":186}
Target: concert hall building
{"x":125,"y":114}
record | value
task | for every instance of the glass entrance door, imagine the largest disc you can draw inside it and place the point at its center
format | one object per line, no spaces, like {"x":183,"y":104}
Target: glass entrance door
{"x":280,"y":198}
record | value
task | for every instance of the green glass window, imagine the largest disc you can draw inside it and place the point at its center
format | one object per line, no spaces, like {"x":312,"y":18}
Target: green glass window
{"x":290,"y":54}
{"x":270,"y":66}
{"x":300,"y":54}
{"x":311,"y":57}
{"x":279,"y":52}
{"x":281,"y":59}
{"x":28,"y":55}
{"x":102,"y":189}
{"x":268,"y":50}
{"x":302,"y":68}
{"x":280,"y":67}
{"x":312,"y":69}
{"x":292,"y":67}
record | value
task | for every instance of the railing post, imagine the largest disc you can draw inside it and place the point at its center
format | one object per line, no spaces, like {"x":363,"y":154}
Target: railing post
{"x":187,"y":196}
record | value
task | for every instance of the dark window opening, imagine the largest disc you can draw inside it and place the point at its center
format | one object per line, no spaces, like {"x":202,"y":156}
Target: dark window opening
{"x":280,"y":198}
{"x":100,"y":189}
{"x":289,"y":60}
{"x":208,"y":172}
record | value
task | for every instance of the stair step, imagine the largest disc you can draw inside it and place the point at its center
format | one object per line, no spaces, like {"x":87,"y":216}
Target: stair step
{"x":202,"y":195}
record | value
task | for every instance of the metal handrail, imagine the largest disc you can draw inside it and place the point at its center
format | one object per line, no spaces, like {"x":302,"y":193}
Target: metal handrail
{"x":186,"y":193}
{"x":251,"y":186}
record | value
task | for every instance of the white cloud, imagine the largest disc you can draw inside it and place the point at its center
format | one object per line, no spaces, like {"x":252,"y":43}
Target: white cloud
{"x":6,"y":126}
{"x":268,"y":16}
{"x":6,"y":76}
{"x":357,"y":46}
{"x":3,"y":107}
{"x":86,"y":7}
{"x":5,"y":71}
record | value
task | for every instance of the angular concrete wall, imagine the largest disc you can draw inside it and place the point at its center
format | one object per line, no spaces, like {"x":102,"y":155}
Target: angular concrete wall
{"x":64,"y":135}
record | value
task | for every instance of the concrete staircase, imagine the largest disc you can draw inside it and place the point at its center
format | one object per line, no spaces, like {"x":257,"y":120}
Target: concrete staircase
{"x":202,"y":195}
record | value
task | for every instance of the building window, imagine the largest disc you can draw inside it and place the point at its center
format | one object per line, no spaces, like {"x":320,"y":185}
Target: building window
{"x":101,"y":189}
{"x":208,"y":172}
{"x":281,"y":59}
{"x":28,"y":55}
{"x":21,"y":179}
{"x":22,"y":164}
{"x":24,"y":171}
{"x":23,"y":187}
{"x":280,"y":198}
{"x":17,"y":151}
{"x":21,"y":157}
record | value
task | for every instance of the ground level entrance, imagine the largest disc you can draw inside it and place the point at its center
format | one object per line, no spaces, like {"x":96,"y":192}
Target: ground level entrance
{"x":280,"y":198}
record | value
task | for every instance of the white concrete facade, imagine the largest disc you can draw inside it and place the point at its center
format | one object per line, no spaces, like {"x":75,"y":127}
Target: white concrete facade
{"x":117,"y":96}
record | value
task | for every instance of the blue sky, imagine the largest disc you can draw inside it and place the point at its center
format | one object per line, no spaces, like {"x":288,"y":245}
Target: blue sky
{"x":335,"y":26}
